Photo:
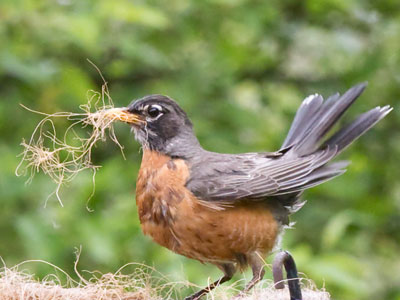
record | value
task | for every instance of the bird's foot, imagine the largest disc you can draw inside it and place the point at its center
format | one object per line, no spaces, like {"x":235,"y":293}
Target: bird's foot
{"x":196,"y":296}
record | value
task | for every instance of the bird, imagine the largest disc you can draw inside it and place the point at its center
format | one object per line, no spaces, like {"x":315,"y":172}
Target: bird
{"x":230,"y":210}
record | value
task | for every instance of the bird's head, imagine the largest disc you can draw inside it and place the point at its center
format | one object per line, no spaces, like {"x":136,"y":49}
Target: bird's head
{"x":160,"y":124}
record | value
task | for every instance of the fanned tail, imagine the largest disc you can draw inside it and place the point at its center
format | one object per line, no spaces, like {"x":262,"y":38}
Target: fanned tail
{"x":314,"y":119}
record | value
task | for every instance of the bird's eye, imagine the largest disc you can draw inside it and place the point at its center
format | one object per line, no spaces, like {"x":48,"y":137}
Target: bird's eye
{"x":154,"y":111}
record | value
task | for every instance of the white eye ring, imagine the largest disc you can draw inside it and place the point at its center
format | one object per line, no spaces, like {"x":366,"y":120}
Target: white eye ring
{"x":159,"y":107}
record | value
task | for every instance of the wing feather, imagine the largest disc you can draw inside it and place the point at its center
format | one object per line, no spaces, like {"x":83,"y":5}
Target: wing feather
{"x":257,"y":176}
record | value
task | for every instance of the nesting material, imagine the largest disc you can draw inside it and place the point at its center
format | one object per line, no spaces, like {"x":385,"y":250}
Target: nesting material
{"x":266,"y":290}
{"x":62,"y":156}
{"x":17,"y":284}
{"x":141,"y":285}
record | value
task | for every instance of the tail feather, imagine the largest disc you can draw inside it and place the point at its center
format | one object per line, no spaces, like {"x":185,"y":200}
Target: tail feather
{"x":302,"y":119}
{"x":329,"y":113}
{"x":312,"y":122}
{"x":358,"y":127}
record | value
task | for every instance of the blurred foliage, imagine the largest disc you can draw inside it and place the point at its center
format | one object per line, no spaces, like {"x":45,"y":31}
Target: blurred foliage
{"x":240,"y":69}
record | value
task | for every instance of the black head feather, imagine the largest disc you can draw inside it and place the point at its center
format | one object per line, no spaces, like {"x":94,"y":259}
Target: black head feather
{"x":167,"y":128}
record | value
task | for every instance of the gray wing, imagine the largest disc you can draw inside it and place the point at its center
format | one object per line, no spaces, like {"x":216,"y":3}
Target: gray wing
{"x":257,"y":176}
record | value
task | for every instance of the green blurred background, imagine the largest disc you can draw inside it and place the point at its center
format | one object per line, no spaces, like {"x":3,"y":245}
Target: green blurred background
{"x":240,"y":69}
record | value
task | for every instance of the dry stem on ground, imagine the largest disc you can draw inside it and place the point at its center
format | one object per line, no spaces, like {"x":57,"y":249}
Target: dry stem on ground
{"x":143,"y":284}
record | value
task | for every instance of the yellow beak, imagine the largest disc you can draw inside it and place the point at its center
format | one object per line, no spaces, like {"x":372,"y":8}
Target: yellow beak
{"x":122,"y":114}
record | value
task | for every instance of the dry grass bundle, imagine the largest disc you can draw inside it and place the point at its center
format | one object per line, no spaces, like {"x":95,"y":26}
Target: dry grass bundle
{"x":143,"y":284}
{"x":16,"y":284}
{"x":62,"y":158}
{"x":266,"y":290}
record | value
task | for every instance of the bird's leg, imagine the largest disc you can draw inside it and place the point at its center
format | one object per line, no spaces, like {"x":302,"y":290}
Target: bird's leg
{"x":207,"y":289}
{"x":284,"y":258}
{"x":257,"y":266}
{"x":228,"y":269}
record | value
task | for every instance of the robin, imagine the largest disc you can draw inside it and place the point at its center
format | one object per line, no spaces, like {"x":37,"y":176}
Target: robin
{"x":230,"y":210}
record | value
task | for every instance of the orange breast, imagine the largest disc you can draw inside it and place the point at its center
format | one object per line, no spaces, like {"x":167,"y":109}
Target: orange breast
{"x":175,"y":219}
